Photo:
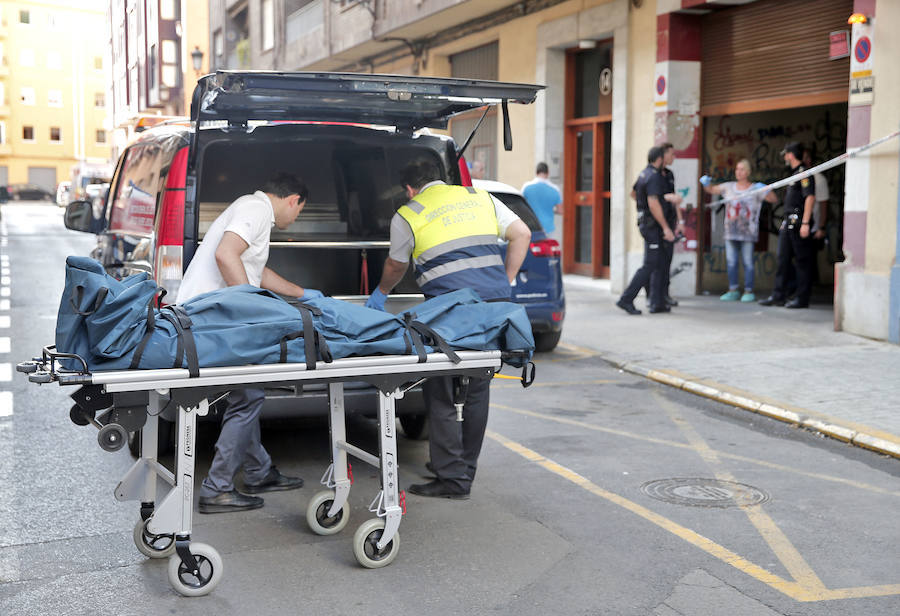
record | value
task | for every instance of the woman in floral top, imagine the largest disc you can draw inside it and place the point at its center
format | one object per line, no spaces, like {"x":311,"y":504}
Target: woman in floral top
{"x":741,"y":226}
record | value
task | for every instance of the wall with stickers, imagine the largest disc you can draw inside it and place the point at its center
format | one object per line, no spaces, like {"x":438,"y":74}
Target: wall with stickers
{"x":759,"y":137}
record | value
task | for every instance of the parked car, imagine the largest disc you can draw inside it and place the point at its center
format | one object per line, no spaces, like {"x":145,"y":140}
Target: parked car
{"x":347,"y":135}
{"x":64,"y":193}
{"x":539,"y":285}
{"x":29,"y":192}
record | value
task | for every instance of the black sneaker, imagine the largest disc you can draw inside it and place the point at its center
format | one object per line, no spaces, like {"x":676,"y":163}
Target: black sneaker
{"x":438,"y":488}
{"x":628,"y":307}
{"x":658,"y":309}
{"x":274,"y":482}
{"x":772,"y":301}
{"x":228,"y":501}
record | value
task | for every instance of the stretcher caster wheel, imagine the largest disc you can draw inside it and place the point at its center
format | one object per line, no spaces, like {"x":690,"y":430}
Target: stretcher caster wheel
{"x":200,"y":582}
{"x":112,"y":437}
{"x":317,"y":514}
{"x":365,"y":547}
{"x":80,"y":416}
{"x":150,"y":544}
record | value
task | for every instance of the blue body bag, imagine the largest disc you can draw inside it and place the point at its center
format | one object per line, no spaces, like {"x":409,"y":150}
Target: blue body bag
{"x":117,"y":325}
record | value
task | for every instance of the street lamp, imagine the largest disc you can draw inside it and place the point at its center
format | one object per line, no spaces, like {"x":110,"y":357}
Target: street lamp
{"x":197,"y":58}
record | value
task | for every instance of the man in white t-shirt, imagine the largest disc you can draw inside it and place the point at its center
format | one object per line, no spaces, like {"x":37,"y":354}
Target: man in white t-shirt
{"x":234,"y":252}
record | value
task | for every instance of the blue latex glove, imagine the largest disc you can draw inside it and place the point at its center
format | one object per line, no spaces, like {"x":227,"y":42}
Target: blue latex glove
{"x":376,"y":300}
{"x":705,"y":180}
{"x":310,"y":294}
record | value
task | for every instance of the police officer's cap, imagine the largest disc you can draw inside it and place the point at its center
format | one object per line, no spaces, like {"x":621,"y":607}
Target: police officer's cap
{"x":794,"y":148}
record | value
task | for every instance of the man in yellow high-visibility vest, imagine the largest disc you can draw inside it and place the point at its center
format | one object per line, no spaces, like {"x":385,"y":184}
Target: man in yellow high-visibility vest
{"x":451,"y":232}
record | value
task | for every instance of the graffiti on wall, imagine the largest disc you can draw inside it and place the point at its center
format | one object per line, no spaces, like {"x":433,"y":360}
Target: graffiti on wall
{"x":760,"y":137}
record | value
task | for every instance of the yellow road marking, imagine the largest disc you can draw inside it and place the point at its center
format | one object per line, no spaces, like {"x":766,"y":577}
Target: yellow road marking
{"x":677,"y":445}
{"x":580,"y":352}
{"x":791,"y":589}
{"x":557,"y":384}
{"x":789,"y":556}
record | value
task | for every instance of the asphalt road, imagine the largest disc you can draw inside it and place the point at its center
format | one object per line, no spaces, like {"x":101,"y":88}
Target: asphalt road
{"x":565,"y":516}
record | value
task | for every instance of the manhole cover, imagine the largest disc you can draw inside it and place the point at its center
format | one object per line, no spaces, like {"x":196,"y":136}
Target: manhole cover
{"x":699,"y":492}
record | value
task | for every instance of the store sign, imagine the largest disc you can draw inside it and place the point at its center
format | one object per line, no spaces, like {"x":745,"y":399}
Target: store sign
{"x":838,"y":44}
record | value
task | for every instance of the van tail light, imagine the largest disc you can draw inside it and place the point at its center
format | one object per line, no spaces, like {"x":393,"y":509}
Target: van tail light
{"x":545,"y":248}
{"x":169,"y":265}
{"x":464,"y":175}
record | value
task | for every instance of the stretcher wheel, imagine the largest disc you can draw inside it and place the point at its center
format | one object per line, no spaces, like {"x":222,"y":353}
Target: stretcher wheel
{"x":150,"y":544}
{"x":208,"y":576}
{"x":80,"y":416}
{"x":365,"y":547}
{"x":317,"y":514}
{"x":112,"y":437}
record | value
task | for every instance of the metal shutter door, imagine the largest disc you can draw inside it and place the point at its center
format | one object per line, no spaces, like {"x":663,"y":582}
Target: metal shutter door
{"x":773,"y":54}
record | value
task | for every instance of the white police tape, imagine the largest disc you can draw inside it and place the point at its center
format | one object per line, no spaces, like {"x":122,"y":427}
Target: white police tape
{"x":834,"y":162}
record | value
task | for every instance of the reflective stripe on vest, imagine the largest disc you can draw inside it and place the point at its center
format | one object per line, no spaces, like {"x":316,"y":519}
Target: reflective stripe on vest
{"x":455,"y":230}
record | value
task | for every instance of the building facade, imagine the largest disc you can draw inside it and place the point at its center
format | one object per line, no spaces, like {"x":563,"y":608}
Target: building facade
{"x":152,"y":74}
{"x":721,"y":80}
{"x":53,"y":100}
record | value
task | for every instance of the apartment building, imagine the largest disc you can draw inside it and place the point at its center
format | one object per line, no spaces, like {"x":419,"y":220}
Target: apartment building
{"x":53,"y":100}
{"x":720,"y":79}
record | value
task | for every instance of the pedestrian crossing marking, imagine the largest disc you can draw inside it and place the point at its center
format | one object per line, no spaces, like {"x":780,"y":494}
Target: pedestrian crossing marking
{"x":4,"y":280}
{"x":4,"y":304}
{"x":4,"y":344}
{"x":6,"y":403}
{"x":5,"y":371}
{"x":4,"y":321}
{"x":4,"y":291}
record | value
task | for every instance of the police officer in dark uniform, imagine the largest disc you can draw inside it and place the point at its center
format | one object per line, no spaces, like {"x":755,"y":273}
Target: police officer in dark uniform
{"x":650,"y":190}
{"x":671,"y":203}
{"x":794,"y":239}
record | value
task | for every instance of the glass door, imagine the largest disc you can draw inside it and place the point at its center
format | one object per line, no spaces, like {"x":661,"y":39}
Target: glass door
{"x":586,"y":195}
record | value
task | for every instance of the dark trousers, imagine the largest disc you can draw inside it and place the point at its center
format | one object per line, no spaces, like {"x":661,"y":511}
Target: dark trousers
{"x":653,"y":271}
{"x":795,"y":266}
{"x":455,"y":445}
{"x":239,"y":444}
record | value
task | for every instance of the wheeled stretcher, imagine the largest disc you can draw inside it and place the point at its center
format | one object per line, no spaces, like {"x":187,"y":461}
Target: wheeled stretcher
{"x":132,"y":400}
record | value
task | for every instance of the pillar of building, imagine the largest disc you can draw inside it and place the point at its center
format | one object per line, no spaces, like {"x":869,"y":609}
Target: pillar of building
{"x":677,"y":120}
{"x":851,"y":272}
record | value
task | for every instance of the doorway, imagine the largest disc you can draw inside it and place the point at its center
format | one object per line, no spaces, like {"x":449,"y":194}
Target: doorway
{"x":586,"y":198}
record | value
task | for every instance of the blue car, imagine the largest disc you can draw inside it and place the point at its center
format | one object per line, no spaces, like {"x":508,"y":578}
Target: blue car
{"x":539,"y":285}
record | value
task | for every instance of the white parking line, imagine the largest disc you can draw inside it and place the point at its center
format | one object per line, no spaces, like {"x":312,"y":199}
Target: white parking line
{"x":6,"y":372}
{"x":6,"y":403}
{"x":4,"y":321}
{"x":4,"y":344}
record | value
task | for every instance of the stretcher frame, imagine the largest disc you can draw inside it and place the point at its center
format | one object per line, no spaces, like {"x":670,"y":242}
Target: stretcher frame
{"x":391,"y":375}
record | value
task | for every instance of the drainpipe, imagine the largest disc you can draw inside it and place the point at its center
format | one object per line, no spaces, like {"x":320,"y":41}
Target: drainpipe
{"x":894,"y":309}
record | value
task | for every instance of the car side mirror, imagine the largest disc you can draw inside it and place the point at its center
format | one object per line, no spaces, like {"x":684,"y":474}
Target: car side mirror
{"x":79,"y":215}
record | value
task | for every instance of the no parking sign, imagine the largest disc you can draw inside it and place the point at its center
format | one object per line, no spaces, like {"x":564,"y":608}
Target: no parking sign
{"x":862,"y":82}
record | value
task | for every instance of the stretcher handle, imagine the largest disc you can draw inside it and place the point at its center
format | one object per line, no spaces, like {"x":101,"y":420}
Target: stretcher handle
{"x":527,"y":378}
{"x":52,"y":356}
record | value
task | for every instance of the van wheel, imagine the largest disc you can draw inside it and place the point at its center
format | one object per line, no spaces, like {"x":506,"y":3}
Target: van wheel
{"x":415,"y":426}
{"x":546,"y":341}
{"x":165,"y":443}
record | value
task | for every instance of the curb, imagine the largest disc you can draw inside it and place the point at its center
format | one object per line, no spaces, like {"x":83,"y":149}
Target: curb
{"x":841,"y":433}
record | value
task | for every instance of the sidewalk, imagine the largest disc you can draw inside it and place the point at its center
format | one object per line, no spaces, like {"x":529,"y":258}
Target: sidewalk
{"x":787,"y":364}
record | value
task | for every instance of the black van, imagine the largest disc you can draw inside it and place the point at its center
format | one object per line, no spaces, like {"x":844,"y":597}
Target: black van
{"x":347,"y":135}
